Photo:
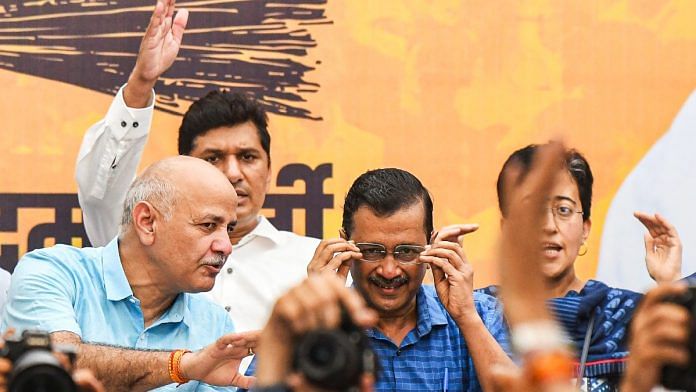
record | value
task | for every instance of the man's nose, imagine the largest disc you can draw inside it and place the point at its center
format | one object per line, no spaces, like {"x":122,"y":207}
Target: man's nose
{"x":232,"y":170}
{"x":390,"y":268}
{"x":221,"y":243}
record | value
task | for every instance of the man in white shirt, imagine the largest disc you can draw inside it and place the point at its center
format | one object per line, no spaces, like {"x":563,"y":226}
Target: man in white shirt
{"x":228,"y":130}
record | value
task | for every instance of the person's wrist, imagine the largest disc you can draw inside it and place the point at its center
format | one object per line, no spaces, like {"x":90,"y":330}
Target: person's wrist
{"x":185,"y":365}
{"x":138,"y":91}
{"x":141,"y":79}
{"x":539,"y":335}
{"x":633,"y":384}
{"x":468,"y":317}
{"x":273,"y":355}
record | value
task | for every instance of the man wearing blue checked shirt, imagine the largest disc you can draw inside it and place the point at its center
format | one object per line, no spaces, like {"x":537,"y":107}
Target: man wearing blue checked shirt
{"x":427,"y":338}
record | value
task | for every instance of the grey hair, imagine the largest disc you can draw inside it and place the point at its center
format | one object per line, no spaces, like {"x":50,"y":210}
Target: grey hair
{"x":154,"y":189}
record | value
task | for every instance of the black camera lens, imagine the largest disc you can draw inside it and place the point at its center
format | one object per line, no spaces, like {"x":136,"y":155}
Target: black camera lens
{"x":39,"y":371}
{"x":335,"y":359}
{"x":328,"y":360}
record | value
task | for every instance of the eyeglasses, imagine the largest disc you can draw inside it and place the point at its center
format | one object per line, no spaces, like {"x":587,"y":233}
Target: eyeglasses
{"x":404,"y":254}
{"x":563,"y":213}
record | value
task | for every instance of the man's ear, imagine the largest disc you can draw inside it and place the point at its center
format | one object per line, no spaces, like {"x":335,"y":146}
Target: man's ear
{"x":145,"y":222}
{"x":342,"y":234}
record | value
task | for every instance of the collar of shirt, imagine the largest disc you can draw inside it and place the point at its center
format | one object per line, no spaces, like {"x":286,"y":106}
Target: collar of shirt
{"x":429,"y":313}
{"x":115,"y":281}
{"x":263,"y":229}
{"x":118,"y":288}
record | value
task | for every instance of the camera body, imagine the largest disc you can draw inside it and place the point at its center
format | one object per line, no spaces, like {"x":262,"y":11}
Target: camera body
{"x":684,"y":378}
{"x":335,"y":359}
{"x":34,"y":367}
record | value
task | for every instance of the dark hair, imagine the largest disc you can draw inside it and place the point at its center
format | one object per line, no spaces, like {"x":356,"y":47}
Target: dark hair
{"x":222,"y":109}
{"x":575,"y":163}
{"x":386,"y":191}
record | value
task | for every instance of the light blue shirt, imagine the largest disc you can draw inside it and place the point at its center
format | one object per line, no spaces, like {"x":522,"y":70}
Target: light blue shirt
{"x":85,"y":291}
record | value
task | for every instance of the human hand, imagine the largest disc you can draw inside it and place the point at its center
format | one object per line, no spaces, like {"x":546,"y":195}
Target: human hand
{"x":522,"y":283}
{"x":658,"y":336}
{"x":663,"y":248}
{"x":454,"y":233}
{"x":315,"y":303}
{"x":218,"y":363}
{"x":453,"y":276}
{"x":158,"y":50}
{"x":86,"y":381}
{"x":335,"y":254}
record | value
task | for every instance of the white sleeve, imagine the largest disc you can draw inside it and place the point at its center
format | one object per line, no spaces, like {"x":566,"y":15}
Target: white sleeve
{"x":106,"y":166}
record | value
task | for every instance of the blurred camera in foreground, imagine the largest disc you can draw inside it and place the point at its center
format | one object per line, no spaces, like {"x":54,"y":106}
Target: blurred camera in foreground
{"x":34,"y":366}
{"x":684,"y":378}
{"x":335,"y":359}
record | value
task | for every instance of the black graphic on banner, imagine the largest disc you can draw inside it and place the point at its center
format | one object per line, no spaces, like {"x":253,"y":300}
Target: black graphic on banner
{"x":255,"y":46}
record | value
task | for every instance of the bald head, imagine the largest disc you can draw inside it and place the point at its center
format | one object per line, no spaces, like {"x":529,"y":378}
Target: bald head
{"x":167,"y":182}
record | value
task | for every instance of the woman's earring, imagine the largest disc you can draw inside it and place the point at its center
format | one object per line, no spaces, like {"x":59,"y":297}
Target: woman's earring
{"x":582,"y":251}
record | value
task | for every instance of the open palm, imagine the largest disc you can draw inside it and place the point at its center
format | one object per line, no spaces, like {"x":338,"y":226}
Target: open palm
{"x":161,"y":42}
{"x":663,"y":248}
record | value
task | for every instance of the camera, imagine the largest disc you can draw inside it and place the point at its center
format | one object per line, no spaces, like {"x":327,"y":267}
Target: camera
{"x":684,"y":378}
{"x":335,"y":359}
{"x":34,"y":367}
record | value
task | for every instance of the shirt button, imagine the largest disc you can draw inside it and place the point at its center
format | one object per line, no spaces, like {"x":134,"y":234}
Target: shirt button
{"x":398,"y":352}
{"x":123,"y":124}
{"x":230,"y":270}
{"x":227,"y":308}
{"x":135,"y":124}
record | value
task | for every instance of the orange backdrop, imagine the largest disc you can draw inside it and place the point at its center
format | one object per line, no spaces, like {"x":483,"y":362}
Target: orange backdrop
{"x":445,"y":89}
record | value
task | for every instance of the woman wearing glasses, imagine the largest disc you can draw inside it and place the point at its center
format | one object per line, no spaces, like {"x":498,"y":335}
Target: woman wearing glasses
{"x":594,"y":315}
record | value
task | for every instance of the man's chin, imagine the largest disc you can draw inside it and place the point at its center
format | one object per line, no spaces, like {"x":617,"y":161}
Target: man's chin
{"x":386,"y":304}
{"x":246,"y":214}
{"x":201,"y":287}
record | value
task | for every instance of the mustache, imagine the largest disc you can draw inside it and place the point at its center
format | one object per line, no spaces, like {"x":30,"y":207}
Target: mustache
{"x":384,"y":282}
{"x":217,"y":260}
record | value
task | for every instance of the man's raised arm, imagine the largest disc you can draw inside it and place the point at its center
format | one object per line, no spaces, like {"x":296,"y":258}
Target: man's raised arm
{"x":112,"y":148}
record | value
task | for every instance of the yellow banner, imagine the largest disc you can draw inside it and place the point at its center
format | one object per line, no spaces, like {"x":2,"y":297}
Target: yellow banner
{"x":446,"y":89}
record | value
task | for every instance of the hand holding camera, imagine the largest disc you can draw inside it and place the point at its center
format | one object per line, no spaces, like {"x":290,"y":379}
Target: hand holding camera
{"x":31,"y":363}
{"x":311,"y":326}
{"x":662,"y":337}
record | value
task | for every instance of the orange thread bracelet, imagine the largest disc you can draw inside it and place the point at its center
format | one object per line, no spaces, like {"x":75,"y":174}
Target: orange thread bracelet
{"x":548,"y":367}
{"x":174,"y":366}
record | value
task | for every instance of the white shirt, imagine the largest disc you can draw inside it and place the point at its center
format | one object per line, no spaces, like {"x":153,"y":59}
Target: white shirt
{"x":262,"y":266}
{"x":106,"y":165}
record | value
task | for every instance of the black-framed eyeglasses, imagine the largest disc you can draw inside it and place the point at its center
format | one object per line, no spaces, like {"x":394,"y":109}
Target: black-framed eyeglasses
{"x":563,"y":213}
{"x":404,"y":254}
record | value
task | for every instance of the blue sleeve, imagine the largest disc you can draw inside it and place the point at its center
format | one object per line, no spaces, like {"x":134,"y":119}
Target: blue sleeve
{"x":491,"y":312}
{"x":229,"y":324}
{"x":41,"y":295}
